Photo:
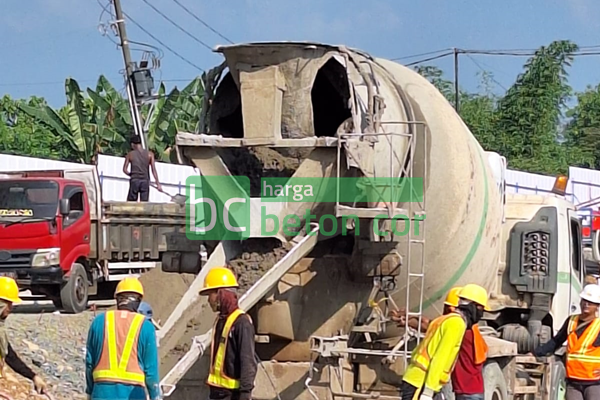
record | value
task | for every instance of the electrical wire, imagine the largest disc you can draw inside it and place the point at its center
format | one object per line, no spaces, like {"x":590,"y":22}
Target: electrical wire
{"x":162,"y":43}
{"x":202,"y":21}
{"x":176,"y":24}
{"x":420,"y":54}
{"x":429,"y":59}
{"x":483,"y":70}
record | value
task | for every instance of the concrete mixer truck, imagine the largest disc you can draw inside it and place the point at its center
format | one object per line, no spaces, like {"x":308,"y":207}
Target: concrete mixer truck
{"x":322,"y":293}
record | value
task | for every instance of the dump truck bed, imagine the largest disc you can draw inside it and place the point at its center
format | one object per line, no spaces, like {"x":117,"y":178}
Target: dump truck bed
{"x":131,"y":231}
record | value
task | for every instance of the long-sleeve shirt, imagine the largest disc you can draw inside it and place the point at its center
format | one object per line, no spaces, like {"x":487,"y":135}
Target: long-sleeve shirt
{"x":14,"y":361}
{"x":147,"y":358}
{"x":443,"y":349}
{"x":240,"y":362}
{"x":557,"y":341}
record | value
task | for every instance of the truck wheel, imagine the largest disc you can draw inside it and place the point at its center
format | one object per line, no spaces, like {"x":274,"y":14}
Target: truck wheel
{"x":558,"y":385}
{"x":494,"y":383}
{"x":74,"y":294}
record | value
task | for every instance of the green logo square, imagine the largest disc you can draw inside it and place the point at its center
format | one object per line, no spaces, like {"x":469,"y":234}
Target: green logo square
{"x":217,"y":207}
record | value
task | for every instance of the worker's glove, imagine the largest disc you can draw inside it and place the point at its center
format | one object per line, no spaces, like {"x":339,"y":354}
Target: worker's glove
{"x":426,"y":394}
{"x":40,"y":385}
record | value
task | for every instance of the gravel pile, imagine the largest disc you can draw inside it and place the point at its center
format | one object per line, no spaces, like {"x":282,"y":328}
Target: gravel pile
{"x":53,"y":345}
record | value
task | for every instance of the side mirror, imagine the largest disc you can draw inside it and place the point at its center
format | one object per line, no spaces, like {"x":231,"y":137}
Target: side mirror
{"x":596,"y":245}
{"x":64,"y":207}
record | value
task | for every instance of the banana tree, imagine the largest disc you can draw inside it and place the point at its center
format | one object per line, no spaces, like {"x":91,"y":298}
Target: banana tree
{"x":74,"y":125}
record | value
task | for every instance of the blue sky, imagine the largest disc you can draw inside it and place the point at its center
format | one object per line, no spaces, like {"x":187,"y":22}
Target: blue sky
{"x":45,"y":41}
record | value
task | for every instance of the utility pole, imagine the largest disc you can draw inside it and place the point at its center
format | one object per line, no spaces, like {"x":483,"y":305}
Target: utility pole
{"x":456,"y":93}
{"x":129,"y":68}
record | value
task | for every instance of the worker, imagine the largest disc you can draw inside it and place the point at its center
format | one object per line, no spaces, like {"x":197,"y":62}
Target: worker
{"x":9,"y":295}
{"x":467,"y":376}
{"x":122,"y":357}
{"x":581,"y":332}
{"x":413,"y":321}
{"x":140,"y":160}
{"x":233,"y":364}
{"x":433,"y":359}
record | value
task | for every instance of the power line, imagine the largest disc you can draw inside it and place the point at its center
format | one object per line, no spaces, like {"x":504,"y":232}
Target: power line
{"x":202,"y":21}
{"x":418,"y":55}
{"x":177,"y":25}
{"x":483,"y":70}
{"x":429,"y":59}
{"x":163,"y":44}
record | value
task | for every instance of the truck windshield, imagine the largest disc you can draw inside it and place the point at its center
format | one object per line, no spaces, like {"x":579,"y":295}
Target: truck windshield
{"x":28,"y":199}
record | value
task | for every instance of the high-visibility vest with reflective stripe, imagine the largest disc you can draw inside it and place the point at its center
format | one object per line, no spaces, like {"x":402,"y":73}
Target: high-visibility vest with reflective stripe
{"x":119,"y":358}
{"x":217,"y":376}
{"x":422,"y":354}
{"x":583,"y":359}
{"x":481,"y":347}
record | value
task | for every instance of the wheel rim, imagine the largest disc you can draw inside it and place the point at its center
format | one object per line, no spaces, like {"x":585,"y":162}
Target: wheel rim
{"x":79,"y":290}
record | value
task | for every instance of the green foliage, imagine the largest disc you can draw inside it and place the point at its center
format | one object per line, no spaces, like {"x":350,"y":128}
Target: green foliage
{"x":95,"y":121}
{"x":524,"y":124}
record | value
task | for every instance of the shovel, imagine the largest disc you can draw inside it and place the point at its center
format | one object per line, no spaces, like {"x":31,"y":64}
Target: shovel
{"x":177,"y":199}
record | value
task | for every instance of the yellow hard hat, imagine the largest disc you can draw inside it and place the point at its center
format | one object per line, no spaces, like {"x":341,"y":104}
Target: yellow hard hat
{"x":476,"y":294}
{"x":452,"y":299}
{"x":219,"y":277}
{"x":9,"y":291}
{"x":130,"y":285}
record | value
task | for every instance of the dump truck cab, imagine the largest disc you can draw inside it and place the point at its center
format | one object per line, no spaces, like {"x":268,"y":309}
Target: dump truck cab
{"x":44,"y":229}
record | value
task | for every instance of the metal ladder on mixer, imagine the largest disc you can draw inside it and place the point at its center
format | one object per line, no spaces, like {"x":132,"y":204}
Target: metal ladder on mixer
{"x":415,"y":271}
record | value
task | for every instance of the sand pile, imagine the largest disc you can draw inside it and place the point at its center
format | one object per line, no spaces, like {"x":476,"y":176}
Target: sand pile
{"x":163,"y":291}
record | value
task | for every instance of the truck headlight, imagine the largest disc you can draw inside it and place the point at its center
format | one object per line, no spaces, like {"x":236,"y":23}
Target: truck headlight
{"x":46,"y":257}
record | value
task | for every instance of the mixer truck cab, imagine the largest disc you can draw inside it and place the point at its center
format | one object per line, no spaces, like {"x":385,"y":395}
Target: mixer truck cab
{"x":545,"y":265}
{"x":44,"y":228}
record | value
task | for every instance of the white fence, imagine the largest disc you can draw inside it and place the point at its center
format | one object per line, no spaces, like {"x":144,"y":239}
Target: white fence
{"x":584,"y":184}
{"x":114,"y":182}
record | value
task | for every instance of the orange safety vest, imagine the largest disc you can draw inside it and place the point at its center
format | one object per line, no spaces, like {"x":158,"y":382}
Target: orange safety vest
{"x":583,"y":359}
{"x":421,"y":357}
{"x":481,"y":347}
{"x":121,"y":333}
{"x":217,"y":376}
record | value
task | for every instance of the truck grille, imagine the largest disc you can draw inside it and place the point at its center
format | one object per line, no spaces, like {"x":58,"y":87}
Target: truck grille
{"x":15,"y":258}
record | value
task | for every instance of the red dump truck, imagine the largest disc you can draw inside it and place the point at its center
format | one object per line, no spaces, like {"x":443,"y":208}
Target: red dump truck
{"x":60,"y":240}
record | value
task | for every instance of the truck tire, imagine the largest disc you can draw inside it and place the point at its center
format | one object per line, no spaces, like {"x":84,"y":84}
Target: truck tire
{"x":558,"y":384}
{"x":494,"y":383}
{"x":74,"y":293}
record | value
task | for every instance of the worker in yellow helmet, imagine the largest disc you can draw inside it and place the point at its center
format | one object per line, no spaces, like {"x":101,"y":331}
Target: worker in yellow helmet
{"x":467,"y":376}
{"x":432,"y":361}
{"x":233,"y":363}
{"x":449,"y":305}
{"x":9,"y":295}
{"x":122,"y":356}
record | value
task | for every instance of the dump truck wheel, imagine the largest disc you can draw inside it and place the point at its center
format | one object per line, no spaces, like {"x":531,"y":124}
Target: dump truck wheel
{"x":494,"y":383}
{"x":74,"y":294}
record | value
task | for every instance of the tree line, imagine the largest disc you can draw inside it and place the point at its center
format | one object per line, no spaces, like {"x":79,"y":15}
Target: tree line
{"x":530,"y":124}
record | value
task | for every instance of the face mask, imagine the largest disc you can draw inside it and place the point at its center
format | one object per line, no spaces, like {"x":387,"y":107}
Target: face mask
{"x":471,"y":313}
